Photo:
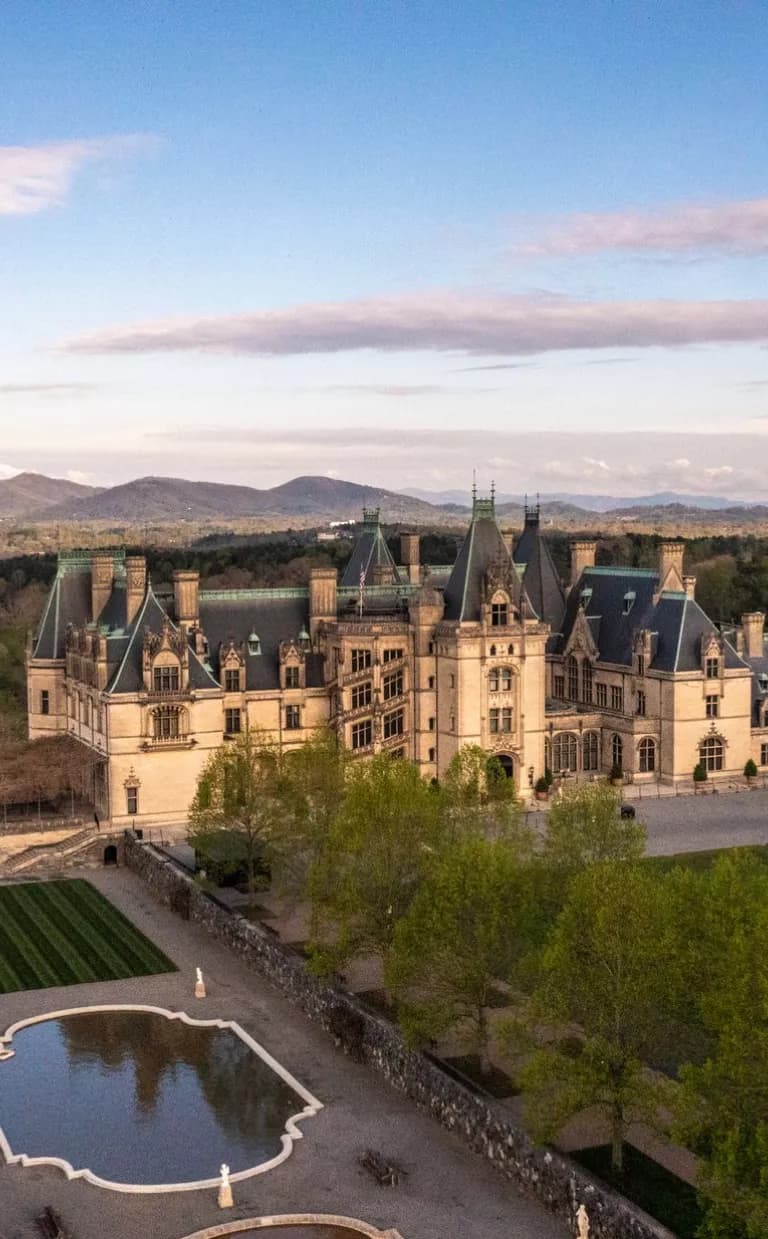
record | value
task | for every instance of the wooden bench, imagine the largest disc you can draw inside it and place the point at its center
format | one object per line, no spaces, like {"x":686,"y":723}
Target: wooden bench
{"x":51,"y":1226}
{"x":386,"y":1174}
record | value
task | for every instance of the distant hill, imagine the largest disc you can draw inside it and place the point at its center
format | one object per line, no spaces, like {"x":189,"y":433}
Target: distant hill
{"x":159,"y":499}
{"x":29,"y":494}
{"x":456,"y":500}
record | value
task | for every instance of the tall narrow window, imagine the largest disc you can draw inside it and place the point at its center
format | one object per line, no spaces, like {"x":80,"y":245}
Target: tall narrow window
{"x":362,"y":734}
{"x":617,"y":698}
{"x":45,"y":702}
{"x":712,"y":668}
{"x":292,"y":718}
{"x":394,"y":724}
{"x":232,"y":722}
{"x":393,"y":685}
{"x":590,"y":749}
{"x":493,"y":680}
{"x":132,"y":801}
{"x":711,"y":754}
{"x":499,"y":614}
{"x":291,"y":677}
{"x":506,"y":679}
{"x":586,"y":682}
{"x":573,"y":678}
{"x":232,"y":680}
{"x":617,"y":751}
{"x":712,"y":705}
{"x":640,"y":703}
{"x":361,"y":695}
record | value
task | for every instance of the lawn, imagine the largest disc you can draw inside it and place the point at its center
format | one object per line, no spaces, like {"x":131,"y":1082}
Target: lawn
{"x":669,"y":1199}
{"x":66,"y":933}
{"x":700,"y":862}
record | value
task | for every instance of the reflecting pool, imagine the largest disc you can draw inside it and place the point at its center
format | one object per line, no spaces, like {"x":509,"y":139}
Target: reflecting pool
{"x":135,"y":1097}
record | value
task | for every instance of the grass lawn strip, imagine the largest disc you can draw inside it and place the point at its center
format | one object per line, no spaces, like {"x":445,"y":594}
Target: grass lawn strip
{"x":69,"y":936}
{"x":25,"y":933}
{"x":135,"y":947}
{"x":44,"y":936}
{"x":13,"y":968}
{"x":68,"y":920}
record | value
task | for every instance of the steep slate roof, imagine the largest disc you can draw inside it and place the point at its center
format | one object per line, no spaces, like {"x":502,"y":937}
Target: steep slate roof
{"x":677,"y":622}
{"x":370,"y":552}
{"x":129,"y":676}
{"x":274,"y":615}
{"x":482,"y":547}
{"x":540,"y":579}
{"x":69,"y":602}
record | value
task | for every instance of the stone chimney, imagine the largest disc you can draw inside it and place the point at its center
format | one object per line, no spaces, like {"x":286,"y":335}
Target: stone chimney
{"x":186,"y":598}
{"x":582,"y":556}
{"x":136,"y":585}
{"x":322,"y":598}
{"x":409,"y":556}
{"x":671,"y":558}
{"x":753,"y":627}
{"x":102,"y":576}
{"x":689,"y":585}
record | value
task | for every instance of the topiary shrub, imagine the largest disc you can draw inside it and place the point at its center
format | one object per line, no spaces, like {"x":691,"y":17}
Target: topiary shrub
{"x":750,"y":769}
{"x":548,"y":777}
{"x":699,"y":773}
{"x":617,"y":774}
{"x":541,"y":786}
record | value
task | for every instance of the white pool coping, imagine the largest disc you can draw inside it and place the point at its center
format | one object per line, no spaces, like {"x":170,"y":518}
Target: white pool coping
{"x":294,"y":1219}
{"x":289,"y":1136}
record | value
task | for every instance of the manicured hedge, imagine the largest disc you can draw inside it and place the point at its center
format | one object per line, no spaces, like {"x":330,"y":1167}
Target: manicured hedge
{"x":66,"y":933}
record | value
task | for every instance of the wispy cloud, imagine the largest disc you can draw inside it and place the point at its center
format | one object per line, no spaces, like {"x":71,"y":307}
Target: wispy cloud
{"x":728,"y":227}
{"x":399,"y":390}
{"x":45,"y":389}
{"x":35,"y":178}
{"x":443,"y":322}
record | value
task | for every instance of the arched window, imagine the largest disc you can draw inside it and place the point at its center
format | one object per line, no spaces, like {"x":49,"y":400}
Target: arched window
{"x":711,"y":753}
{"x":646,"y":755}
{"x":565,"y":750}
{"x":590,"y":751}
{"x":572,"y":668}
{"x":617,"y":751}
{"x":493,"y":651}
{"x":586,"y":682}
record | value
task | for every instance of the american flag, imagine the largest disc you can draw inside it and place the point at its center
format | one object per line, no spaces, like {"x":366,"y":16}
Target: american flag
{"x":362,"y":586}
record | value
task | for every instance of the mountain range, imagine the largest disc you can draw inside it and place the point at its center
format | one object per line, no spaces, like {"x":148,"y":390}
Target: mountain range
{"x":32,"y":496}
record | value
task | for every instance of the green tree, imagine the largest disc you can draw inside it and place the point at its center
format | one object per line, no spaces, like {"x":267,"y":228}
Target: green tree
{"x":723,"y":1106}
{"x":478,"y":797}
{"x":468,"y":927}
{"x":310,"y":792}
{"x":585,"y":827}
{"x":235,"y":814}
{"x":377,"y":850}
{"x":604,"y":973}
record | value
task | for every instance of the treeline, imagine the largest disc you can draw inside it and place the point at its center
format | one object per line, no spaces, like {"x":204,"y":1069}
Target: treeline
{"x":637,"y":991}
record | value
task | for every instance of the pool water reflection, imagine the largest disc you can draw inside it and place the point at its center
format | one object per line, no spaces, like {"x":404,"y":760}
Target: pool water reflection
{"x":137,"y":1098}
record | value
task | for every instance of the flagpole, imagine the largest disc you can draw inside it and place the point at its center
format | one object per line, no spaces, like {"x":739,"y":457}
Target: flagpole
{"x":362,"y":586}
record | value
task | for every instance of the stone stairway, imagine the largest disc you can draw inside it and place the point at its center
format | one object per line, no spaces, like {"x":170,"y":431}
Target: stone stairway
{"x":43,"y":853}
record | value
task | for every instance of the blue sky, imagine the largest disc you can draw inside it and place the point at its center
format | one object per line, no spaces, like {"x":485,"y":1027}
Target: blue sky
{"x":388,"y":241}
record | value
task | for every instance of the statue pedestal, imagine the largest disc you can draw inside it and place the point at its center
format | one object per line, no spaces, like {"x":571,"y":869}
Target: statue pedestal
{"x":225,"y":1196}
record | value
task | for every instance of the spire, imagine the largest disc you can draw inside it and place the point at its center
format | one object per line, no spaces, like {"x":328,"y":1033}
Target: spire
{"x":532,"y":513}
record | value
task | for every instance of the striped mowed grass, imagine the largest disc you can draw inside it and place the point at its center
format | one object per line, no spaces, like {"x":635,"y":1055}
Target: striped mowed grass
{"x":67,"y":933}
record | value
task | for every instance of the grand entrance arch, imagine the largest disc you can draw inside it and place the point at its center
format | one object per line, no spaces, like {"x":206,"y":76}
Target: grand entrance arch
{"x":507,"y":764}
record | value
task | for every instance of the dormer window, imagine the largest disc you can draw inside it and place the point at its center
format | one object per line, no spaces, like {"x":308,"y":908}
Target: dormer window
{"x":712,"y":668}
{"x":254,"y":644}
{"x":304,"y":639}
{"x":629,"y":601}
{"x":763,"y":682}
{"x":165,"y":679}
{"x":499,"y":614}
{"x":585,"y":597}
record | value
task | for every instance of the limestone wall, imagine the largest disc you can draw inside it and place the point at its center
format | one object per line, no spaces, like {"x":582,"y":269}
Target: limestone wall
{"x":484,"y":1125}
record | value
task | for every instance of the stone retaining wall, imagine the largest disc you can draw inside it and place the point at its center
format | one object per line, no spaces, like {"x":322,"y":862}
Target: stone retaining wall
{"x":484,"y":1125}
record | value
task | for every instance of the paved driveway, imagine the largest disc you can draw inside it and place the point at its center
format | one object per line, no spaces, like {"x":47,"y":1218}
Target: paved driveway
{"x":698,"y":823}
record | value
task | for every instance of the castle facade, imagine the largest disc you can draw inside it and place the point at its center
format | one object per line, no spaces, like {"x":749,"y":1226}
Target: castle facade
{"x":617,"y":668}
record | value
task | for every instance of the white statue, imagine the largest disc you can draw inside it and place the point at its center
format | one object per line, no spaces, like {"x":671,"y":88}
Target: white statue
{"x":225,"y":1189}
{"x":199,"y":983}
{"x":582,"y":1221}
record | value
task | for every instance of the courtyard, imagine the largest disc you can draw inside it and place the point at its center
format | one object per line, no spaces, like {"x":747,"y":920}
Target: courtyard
{"x":447,"y":1193}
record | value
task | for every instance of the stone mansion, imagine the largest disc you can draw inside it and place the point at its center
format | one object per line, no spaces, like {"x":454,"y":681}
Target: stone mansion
{"x":617,"y":667}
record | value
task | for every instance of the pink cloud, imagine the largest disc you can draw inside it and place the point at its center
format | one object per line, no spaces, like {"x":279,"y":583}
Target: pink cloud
{"x":443,"y":322}
{"x":729,"y":227}
{"x":35,"y":178}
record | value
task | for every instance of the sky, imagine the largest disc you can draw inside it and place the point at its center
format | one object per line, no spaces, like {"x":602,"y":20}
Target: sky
{"x":392,"y":241}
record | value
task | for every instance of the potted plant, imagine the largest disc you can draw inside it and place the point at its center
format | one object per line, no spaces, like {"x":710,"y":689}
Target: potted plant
{"x":548,"y":777}
{"x":750,"y":771}
{"x":699,"y":775}
{"x":617,"y":775}
{"x":541,"y":788}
